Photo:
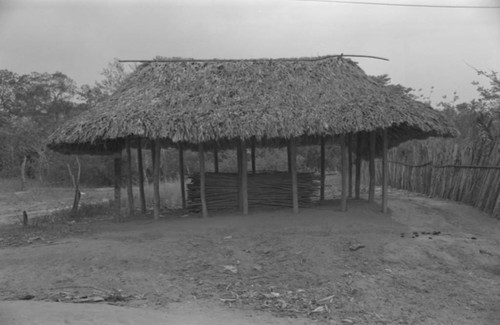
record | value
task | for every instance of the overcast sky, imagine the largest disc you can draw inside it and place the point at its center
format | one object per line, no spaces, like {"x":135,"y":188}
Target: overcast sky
{"x":426,"y":46}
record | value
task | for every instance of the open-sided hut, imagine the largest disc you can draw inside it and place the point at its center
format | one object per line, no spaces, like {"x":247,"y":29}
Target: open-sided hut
{"x":228,"y":103}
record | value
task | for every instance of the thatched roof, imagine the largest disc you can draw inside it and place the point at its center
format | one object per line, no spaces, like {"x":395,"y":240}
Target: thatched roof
{"x":194,"y":102}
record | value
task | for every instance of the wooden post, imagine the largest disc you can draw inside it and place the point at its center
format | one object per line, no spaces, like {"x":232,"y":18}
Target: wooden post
{"x":240,"y":173}
{"x":322,"y":170}
{"x":349,"y":150}
{"x":181,"y":174}
{"x":293,"y":171}
{"x":252,"y":154}
{"x":385,"y":171}
{"x":155,"y":147}
{"x":244,"y":177}
{"x":140,"y":170}
{"x":201,"y":157}
{"x":357,"y":185}
{"x":130,"y":190}
{"x":153,"y":154}
{"x":371,"y":167}
{"x":118,"y":185}
{"x":25,"y":219}
{"x":289,"y":157}
{"x":343,"y":158}
{"x":216,"y":159}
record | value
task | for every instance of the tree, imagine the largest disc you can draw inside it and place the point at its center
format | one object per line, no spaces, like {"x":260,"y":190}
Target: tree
{"x":31,"y":106}
{"x":114,"y":75}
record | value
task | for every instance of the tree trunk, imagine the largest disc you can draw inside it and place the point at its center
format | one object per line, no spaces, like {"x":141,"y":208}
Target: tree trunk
{"x":76,"y":185}
{"x":23,"y":173}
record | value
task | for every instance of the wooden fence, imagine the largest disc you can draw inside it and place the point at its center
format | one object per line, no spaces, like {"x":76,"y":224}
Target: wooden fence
{"x":470,"y":175}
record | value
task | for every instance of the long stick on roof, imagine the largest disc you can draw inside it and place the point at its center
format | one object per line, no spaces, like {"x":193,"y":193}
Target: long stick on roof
{"x":246,"y":60}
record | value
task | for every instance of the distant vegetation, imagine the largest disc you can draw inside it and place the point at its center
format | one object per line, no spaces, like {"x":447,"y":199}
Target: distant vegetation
{"x":466,"y":168}
{"x":35,"y":104}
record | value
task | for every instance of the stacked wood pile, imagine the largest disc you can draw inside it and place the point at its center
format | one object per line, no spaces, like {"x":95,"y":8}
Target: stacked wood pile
{"x":468,"y":174}
{"x":266,"y":189}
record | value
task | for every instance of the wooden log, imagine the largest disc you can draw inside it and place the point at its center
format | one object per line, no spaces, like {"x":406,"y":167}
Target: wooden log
{"x":371,"y":166}
{"x":264,"y":189}
{"x":385,"y":171}
{"x":357,"y":185}
{"x":118,"y":185}
{"x":181,"y":174}
{"x":349,"y":151}
{"x":322,"y":170}
{"x":252,"y":154}
{"x":344,"y":162}
{"x":216,"y":159}
{"x":130,"y":190}
{"x":293,"y":170}
{"x":201,"y":157}
{"x":140,"y":170}
{"x":156,"y":153}
{"x":244,"y":177}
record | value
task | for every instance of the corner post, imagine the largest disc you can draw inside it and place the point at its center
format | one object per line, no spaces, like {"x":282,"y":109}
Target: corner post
{"x":349,"y":151}
{"x":322,"y":170}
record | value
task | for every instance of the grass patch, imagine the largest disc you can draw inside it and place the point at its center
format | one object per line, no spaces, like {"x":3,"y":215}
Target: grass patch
{"x":46,"y":229}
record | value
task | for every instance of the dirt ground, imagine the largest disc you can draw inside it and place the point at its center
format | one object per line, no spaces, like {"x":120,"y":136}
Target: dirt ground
{"x":427,"y":262}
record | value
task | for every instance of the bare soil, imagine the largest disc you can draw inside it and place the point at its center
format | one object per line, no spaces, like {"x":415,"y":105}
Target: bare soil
{"x":427,"y":262}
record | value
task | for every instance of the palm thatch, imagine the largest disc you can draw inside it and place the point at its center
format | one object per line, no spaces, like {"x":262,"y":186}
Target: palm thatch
{"x":193,"y":102}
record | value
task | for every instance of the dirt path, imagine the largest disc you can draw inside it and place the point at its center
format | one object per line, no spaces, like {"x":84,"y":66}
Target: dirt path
{"x":52,"y":313}
{"x":323,"y":266}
